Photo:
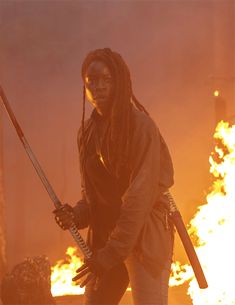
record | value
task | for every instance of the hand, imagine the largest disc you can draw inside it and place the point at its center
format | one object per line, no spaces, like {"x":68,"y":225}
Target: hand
{"x":84,"y":270}
{"x":92,"y":269}
{"x":64,"y":216}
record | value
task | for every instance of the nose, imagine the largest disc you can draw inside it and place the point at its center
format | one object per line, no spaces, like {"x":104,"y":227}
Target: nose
{"x":100,"y":84}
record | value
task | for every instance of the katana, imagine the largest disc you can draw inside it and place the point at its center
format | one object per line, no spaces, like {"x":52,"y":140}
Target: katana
{"x":73,"y":228}
{"x":186,"y":241}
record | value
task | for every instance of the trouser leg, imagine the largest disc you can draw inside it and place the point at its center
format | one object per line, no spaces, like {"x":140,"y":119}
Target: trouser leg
{"x":110,"y":289}
{"x":147,"y":290}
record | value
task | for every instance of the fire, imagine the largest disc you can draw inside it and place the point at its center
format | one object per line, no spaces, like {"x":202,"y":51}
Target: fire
{"x":214,"y":229}
{"x":62,"y":274}
{"x":216,"y":93}
{"x":214,"y":226}
{"x":180,"y":274}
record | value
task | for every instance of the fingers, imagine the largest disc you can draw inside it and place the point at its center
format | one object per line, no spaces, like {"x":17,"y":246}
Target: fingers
{"x":89,"y":278}
{"x":64,"y":216}
{"x":85,"y":270}
{"x":65,"y":208}
{"x":63,"y":222}
{"x":82,"y":267}
{"x":81,"y":274}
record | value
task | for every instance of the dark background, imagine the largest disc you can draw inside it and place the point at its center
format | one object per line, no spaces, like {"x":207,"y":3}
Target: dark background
{"x":178,"y":53}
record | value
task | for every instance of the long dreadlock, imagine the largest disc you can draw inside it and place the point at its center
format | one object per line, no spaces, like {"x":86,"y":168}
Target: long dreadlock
{"x":118,"y":138}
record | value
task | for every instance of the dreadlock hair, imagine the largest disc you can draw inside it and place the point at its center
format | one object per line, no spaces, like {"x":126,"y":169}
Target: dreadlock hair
{"x":118,"y":138}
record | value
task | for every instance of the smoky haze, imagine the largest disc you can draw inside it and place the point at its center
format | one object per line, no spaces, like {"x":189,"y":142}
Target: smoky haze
{"x":178,"y":52}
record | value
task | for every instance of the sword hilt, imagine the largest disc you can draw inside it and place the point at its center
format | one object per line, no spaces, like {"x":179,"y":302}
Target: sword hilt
{"x":171,"y":206}
{"x":80,"y":241}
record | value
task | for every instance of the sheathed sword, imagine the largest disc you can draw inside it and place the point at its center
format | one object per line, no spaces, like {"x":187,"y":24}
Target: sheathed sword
{"x":186,"y":241}
{"x":73,"y":228}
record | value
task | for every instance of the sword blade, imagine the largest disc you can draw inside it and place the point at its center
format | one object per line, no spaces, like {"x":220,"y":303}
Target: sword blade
{"x":73,"y":229}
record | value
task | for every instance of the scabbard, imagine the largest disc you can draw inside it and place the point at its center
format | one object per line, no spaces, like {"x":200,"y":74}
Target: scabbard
{"x":189,"y":249}
{"x":187,"y":243}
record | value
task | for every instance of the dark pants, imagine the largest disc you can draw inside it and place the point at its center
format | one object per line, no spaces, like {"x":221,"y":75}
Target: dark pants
{"x":110,"y":288}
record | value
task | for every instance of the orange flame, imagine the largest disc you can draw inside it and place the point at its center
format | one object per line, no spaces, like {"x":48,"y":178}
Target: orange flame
{"x":180,"y":274}
{"x":62,"y":274}
{"x":214,"y":225}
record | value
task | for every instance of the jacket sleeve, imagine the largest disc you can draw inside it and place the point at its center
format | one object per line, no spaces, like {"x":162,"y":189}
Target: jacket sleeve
{"x":82,"y":213}
{"x":140,"y":196}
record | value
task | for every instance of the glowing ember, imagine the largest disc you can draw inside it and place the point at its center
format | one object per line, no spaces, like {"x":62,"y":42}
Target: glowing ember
{"x":216,"y":93}
{"x":62,"y":274}
{"x":214,"y":226}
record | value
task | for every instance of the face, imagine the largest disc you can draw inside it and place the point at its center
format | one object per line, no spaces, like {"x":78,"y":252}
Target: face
{"x":99,"y":86}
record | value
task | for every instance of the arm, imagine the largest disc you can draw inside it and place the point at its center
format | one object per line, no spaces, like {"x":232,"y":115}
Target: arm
{"x":82,"y":214}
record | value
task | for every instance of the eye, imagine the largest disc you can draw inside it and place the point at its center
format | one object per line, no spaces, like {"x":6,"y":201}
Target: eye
{"x":90,"y":80}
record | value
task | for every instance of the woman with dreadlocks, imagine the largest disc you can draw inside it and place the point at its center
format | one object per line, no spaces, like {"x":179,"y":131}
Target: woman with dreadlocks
{"x":125,"y":170}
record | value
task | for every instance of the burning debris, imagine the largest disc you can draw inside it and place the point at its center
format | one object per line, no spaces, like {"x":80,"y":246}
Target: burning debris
{"x":28,"y":283}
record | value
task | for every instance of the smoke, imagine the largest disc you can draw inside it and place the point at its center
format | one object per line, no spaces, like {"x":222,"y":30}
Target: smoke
{"x":169,"y":47}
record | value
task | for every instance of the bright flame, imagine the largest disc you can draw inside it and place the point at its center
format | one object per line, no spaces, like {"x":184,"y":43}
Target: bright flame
{"x":216,"y":93}
{"x":180,"y":274}
{"x":214,"y":226}
{"x":62,"y":274}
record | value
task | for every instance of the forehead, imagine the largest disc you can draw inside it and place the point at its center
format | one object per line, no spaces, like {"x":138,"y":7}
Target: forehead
{"x":97,"y":67}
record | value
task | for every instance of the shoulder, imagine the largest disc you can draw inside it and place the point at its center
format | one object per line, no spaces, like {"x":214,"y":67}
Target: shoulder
{"x":143,"y":124}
